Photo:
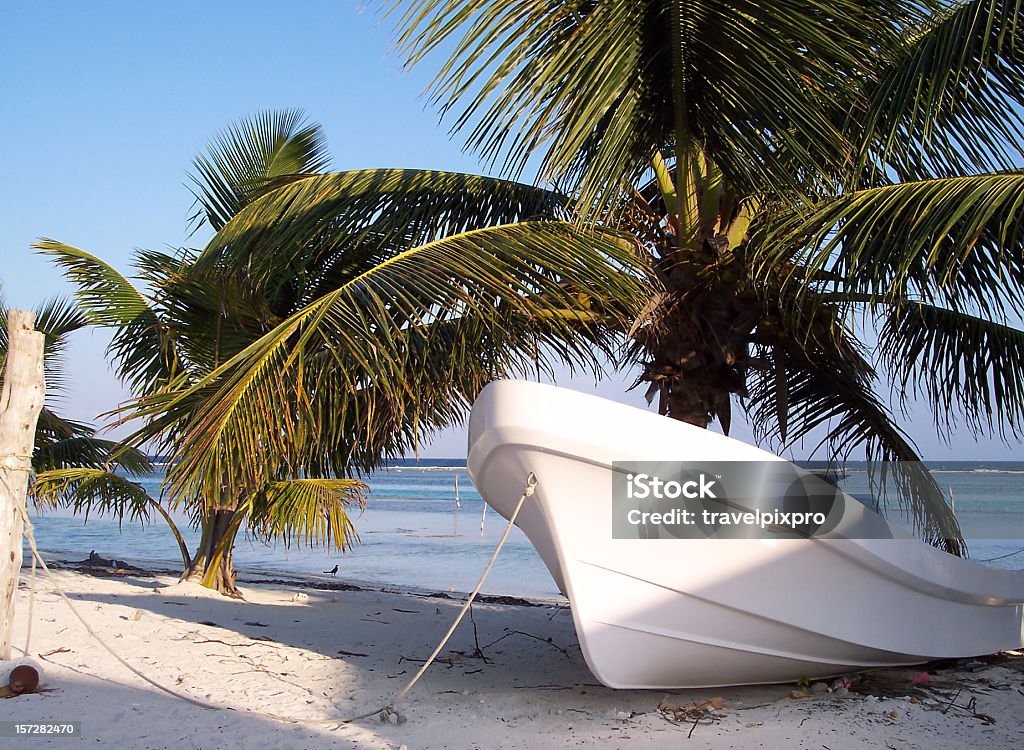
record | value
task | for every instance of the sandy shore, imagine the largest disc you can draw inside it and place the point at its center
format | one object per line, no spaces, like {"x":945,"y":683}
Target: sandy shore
{"x":312,"y":654}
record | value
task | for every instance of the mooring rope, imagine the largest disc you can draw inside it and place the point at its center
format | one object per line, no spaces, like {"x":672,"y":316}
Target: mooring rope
{"x":32,"y":581}
{"x":384,"y":712}
{"x":531,"y":485}
{"x":1001,"y":557}
{"x":29,"y":532}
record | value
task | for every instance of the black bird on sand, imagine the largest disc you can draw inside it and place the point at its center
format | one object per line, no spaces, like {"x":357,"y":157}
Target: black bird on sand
{"x":333,"y":571}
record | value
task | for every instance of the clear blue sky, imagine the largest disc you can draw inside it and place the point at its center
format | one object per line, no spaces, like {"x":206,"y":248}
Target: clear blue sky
{"x":105,"y":104}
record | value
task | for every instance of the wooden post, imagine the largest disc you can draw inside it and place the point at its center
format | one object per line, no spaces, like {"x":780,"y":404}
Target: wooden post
{"x":20,"y":403}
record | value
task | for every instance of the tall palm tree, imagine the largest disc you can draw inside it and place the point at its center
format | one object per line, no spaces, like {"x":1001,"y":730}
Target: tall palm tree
{"x":798,"y":176}
{"x":332,"y":321}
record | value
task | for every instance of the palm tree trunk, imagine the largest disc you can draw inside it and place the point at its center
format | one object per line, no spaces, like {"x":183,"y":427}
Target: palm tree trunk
{"x":213,"y":564}
{"x":682,"y":406}
{"x":700,"y":348}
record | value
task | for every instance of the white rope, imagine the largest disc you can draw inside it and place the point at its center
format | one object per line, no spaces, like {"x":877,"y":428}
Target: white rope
{"x":531,"y":485}
{"x":27,"y":460}
{"x":31,"y":598}
{"x":384,"y":712}
{"x":1001,"y":557}
{"x":30,"y":534}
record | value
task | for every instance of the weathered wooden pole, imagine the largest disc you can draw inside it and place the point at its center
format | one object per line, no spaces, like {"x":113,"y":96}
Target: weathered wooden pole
{"x":20,"y":403}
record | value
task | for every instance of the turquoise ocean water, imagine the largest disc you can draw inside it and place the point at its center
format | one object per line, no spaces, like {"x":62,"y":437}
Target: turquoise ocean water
{"x":412,"y":534}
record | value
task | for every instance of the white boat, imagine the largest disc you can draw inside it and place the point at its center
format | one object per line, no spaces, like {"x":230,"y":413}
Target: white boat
{"x":673,"y":613}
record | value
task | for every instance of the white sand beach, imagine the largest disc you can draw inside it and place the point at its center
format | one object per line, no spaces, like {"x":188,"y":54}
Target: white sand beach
{"x":314,"y":654}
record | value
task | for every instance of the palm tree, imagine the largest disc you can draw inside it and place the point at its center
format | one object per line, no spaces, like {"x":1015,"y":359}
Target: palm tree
{"x":332,"y":321}
{"x":799,"y":177}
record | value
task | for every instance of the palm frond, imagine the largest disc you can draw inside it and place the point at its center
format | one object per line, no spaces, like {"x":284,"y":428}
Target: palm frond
{"x":143,"y":351}
{"x":970,"y":369}
{"x":88,"y":451}
{"x":829,"y":391}
{"x":595,"y":88}
{"x":62,"y":443}
{"x":349,"y":358}
{"x":957,"y":241}
{"x":212,"y":314}
{"x":51,"y":427}
{"x":950,"y":100}
{"x":87,"y":491}
{"x":303,"y":239}
{"x":55,"y":318}
{"x":314,"y":511}
{"x":249,"y":157}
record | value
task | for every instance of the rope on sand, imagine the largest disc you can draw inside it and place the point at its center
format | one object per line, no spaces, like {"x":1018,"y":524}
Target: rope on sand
{"x":29,"y":533}
{"x":531,"y":485}
{"x":384,"y":713}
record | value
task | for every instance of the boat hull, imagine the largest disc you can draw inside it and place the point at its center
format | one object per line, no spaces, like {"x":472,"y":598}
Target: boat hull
{"x":671,"y":613}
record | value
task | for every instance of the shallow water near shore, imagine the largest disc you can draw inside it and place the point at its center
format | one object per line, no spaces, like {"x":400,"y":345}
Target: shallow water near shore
{"x":413,"y":534}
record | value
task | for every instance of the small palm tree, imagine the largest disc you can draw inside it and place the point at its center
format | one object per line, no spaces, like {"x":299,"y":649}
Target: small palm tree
{"x":332,"y":321}
{"x":798,"y":176}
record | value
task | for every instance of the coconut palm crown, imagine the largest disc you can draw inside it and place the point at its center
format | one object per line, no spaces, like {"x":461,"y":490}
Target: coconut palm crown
{"x":333,"y":321}
{"x":828,"y":195}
